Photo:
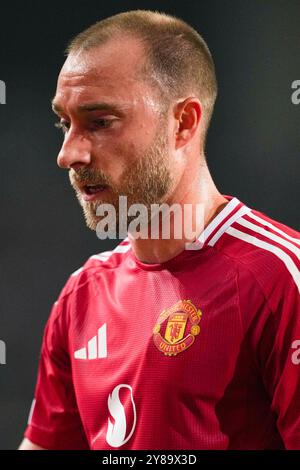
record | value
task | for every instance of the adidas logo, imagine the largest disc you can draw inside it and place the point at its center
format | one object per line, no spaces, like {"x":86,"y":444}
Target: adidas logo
{"x":96,"y":347}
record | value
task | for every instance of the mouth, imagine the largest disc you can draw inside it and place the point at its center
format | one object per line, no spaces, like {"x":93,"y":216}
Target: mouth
{"x":91,"y":192}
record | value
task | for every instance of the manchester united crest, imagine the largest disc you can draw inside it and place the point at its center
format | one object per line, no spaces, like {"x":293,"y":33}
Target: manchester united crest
{"x":177,"y":327}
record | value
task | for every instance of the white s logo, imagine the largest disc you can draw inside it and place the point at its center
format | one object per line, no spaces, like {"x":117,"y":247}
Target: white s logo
{"x":116,"y":433}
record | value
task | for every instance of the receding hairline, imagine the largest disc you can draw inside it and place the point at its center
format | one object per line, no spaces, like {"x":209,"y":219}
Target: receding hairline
{"x":135,"y":25}
{"x":177,"y":60}
{"x":141,"y":72}
{"x":141,"y":60}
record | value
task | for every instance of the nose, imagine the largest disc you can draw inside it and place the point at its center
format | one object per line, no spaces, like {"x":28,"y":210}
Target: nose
{"x":75,"y":151}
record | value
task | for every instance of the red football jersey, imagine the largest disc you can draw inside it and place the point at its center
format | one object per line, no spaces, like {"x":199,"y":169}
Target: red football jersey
{"x":199,"y":352}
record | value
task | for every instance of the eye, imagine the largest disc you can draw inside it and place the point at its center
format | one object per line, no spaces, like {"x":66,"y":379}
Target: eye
{"x":94,"y":125}
{"x":101,"y":123}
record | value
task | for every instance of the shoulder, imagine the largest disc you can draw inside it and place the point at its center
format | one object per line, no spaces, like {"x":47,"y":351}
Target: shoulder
{"x":95,"y":264}
{"x":77,"y":288}
{"x":265,"y":249}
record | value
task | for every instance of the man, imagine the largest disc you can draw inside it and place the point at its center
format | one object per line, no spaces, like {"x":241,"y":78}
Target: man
{"x":156,"y":345}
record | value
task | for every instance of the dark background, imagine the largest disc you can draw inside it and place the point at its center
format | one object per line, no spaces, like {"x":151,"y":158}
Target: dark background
{"x":253,"y":152}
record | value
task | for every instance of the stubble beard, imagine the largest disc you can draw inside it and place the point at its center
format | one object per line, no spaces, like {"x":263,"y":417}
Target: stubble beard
{"x":147,"y":181}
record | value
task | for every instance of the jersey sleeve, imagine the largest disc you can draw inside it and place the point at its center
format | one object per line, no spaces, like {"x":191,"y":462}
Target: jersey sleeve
{"x":281,"y":361}
{"x":54,"y":421}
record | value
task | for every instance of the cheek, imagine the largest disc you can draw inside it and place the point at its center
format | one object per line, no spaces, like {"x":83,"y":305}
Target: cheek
{"x":116,"y":159}
{"x":143,"y":135}
{"x":127,"y":153}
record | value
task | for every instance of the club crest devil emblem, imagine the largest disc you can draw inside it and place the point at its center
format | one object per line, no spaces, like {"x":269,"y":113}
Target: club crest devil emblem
{"x":177,"y":327}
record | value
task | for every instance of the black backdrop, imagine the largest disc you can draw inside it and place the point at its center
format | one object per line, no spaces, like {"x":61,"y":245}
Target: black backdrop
{"x":253,"y":152}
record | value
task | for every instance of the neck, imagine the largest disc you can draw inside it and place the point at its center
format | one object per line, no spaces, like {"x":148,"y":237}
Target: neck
{"x":199,"y":192}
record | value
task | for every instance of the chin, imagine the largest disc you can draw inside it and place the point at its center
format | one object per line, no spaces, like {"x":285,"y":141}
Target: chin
{"x":91,"y":220}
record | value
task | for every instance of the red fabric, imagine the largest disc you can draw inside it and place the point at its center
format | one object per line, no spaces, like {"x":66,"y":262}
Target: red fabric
{"x":237,"y":386}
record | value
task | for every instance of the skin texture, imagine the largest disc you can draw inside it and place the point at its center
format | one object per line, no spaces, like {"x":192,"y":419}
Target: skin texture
{"x":149,"y":156}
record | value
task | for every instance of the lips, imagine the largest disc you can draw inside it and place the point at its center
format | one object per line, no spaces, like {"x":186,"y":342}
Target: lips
{"x":90,"y":192}
{"x":95,"y":188}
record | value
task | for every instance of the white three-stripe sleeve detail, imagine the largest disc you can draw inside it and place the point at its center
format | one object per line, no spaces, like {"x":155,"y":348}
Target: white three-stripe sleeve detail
{"x":31,"y":411}
{"x":122,"y":248}
{"x":242,"y":211}
{"x":285,"y":258}
{"x":270,"y":235}
{"x":77,"y":271}
{"x":273,"y":227}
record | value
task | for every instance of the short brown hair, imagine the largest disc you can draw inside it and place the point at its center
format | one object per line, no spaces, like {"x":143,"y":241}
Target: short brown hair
{"x":179,"y":61}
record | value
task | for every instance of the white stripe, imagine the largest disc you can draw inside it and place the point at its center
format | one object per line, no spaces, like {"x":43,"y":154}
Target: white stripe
{"x":272,"y":236}
{"x":122,"y":248}
{"x":77,"y":271}
{"x":102,"y":342}
{"x":273,"y":227}
{"x":242,"y":211}
{"x":218,"y":219}
{"x":104,"y":253}
{"x":102,"y":256}
{"x":92,"y":348}
{"x":99,"y":257}
{"x":290,"y":265}
{"x":31,"y":411}
{"x":80,"y":353}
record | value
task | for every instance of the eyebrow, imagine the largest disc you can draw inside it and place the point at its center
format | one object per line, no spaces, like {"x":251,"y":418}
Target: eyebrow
{"x":102,"y":106}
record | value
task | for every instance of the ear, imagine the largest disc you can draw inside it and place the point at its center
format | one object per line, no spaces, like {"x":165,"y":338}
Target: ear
{"x":187,"y":116}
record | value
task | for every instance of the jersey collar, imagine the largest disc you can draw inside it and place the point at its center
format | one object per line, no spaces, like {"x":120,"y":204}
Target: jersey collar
{"x":233,"y":210}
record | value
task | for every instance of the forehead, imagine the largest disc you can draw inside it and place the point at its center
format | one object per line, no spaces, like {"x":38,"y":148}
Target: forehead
{"x":106,"y":71}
